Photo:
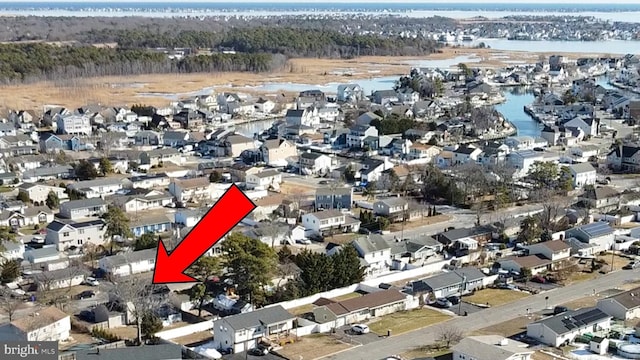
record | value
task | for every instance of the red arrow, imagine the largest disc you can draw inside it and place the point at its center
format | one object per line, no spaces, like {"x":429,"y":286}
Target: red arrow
{"x":227,"y":212}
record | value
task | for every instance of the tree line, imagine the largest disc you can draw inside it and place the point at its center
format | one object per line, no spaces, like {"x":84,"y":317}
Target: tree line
{"x":23,"y":63}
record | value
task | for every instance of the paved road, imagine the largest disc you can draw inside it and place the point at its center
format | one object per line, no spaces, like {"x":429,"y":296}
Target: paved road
{"x":405,"y":342}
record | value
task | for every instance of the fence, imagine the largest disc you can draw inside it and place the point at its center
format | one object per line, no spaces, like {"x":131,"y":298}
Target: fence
{"x":185,"y":330}
{"x":310,"y":299}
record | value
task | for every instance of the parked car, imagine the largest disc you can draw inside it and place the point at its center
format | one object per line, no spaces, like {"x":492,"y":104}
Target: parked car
{"x":360,"y":329}
{"x":87,"y":294}
{"x":454,"y":300}
{"x":91,"y":281}
{"x":304,"y":241}
{"x":443,"y":303}
{"x":632,"y":265}
{"x":259,"y":351}
{"x":539,"y":279}
{"x":560,"y":309}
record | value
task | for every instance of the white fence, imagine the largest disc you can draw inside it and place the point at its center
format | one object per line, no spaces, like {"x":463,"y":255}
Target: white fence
{"x":407,"y":274}
{"x":185,"y":330}
{"x":310,"y":299}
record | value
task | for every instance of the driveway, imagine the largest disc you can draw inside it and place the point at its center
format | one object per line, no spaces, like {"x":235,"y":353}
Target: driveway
{"x":465,"y":307}
{"x":345,"y":334}
{"x":481,"y":319}
{"x":244,"y":356}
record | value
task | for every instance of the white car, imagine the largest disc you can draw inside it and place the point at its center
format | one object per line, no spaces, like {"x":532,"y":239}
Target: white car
{"x":91,"y":281}
{"x":360,"y":329}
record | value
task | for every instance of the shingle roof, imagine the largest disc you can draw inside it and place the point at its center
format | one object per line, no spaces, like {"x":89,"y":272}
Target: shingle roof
{"x":83,"y":203}
{"x":372,"y":243}
{"x":571,"y":320}
{"x":44,"y":317}
{"x":265,"y":316}
{"x":327,"y":214}
{"x":489,"y":347}
{"x":582,"y":168}
{"x":132,"y":257}
{"x":629,"y":299}
{"x":145,"y":352}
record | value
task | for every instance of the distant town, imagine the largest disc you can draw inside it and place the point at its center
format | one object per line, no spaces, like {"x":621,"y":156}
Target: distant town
{"x":464,"y":211}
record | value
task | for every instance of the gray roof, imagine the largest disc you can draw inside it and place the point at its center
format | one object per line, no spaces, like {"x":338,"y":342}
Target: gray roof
{"x":489,"y":347}
{"x":339,"y":191}
{"x":132,"y":257}
{"x":628,"y":299}
{"x":394,"y":201}
{"x":58,"y":224}
{"x":238,"y":139}
{"x":372,"y":243}
{"x":571,"y":320}
{"x":442,"y":281}
{"x":327,"y":214}
{"x":582,"y":168}
{"x":83,"y":203}
{"x":62,"y":274}
{"x":93,"y":183}
{"x":261,"y":317}
{"x":43,"y":252}
{"x":48,"y":171}
{"x":145,"y":352}
{"x":267,"y":173}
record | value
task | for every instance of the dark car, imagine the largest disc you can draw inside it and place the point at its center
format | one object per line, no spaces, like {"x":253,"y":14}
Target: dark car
{"x":87,"y":294}
{"x":455,"y":300}
{"x":539,"y":279}
{"x":259,"y":351}
{"x":560,"y":309}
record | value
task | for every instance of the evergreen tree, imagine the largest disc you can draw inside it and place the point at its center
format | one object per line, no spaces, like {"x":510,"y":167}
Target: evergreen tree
{"x":347,"y":269}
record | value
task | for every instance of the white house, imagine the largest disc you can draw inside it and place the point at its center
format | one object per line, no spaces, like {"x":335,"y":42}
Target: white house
{"x":264,"y":180}
{"x":98,"y":187}
{"x":66,"y":234}
{"x":38,"y":193}
{"x":74,"y":124}
{"x":589,"y":126}
{"x":59,"y":279}
{"x":188,"y":217}
{"x":393,"y":207}
{"x":12,"y":250}
{"x":150,"y":181}
{"x":77,"y":209}
{"x":45,"y":254}
{"x":376,"y":253}
{"x":125,"y":264}
{"x":191,"y":189}
{"x":600,"y":235}
{"x":582,"y":174}
{"x":523,"y":159}
{"x":622,"y":306}
{"x":153,"y":199}
{"x":243,"y":332}
{"x":328,"y":220}
{"x":535,"y":263}
{"x":49,"y":324}
{"x":491,"y":347}
{"x":563,"y":328}
{"x":555,"y":250}
{"x":315,"y":163}
{"x":265,"y":106}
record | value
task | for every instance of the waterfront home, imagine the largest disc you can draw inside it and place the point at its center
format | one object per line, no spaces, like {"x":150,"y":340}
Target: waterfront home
{"x":243,"y":332}
{"x":49,"y":324}
{"x":582,"y":174}
{"x":561,"y":329}
{"x":265,"y":106}
{"x":349,"y":93}
{"x":590,"y":126}
{"x":38,"y":193}
{"x":64,"y":234}
{"x":305,"y":117}
{"x":328,"y":221}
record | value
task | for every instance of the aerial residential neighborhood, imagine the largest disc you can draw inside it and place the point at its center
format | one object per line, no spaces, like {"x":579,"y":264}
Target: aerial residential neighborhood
{"x":483,"y":204}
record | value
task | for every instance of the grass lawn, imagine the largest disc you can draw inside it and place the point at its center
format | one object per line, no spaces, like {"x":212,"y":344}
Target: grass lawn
{"x":506,"y":328}
{"x":341,"y":238}
{"x":495,"y":297}
{"x":425,"y":351}
{"x":316,"y":345}
{"x":579,"y":276}
{"x":405,"y":321}
{"x":346,"y":296}
{"x":618,"y":262}
{"x":420,"y":222}
{"x":300,"y":310}
{"x":4,"y":189}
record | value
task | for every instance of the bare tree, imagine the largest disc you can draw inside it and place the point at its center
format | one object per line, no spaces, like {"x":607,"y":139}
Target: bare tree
{"x":448,"y":336}
{"x":136,"y":295}
{"x":9,"y":303}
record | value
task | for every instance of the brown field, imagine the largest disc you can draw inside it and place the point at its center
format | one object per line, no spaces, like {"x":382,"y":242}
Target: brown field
{"x":507,"y":328}
{"x":154,"y":89}
{"x":319,"y":345}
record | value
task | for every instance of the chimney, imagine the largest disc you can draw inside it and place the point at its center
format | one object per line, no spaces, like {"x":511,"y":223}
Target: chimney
{"x":504,"y":342}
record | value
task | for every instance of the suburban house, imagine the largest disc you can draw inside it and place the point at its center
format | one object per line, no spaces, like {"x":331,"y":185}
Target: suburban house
{"x":384,"y":96}
{"x":66,"y":234}
{"x":235,"y":144}
{"x":466,"y":154}
{"x":598,"y":234}
{"x":125,"y":264}
{"x":359,"y":309}
{"x":622,"y":306}
{"x":624,"y":158}
{"x":457,"y":282}
{"x":338,"y":198}
{"x":563,"y":328}
{"x":537,"y":264}
{"x":555,"y":250}
{"x":74,"y":124}
{"x":413,"y":250}
{"x":155,"y":352}
{"x":315,"y":163}
{"x":150,"y":181}
{"x":265,"y":106}
{"x":149,"y":200}
{"x":17,"y":145}
{"x":582,"y":174}
{"x":275,"y":152}
{"x":602,"y":198}
{"x":147,"y":138}
{"x":357,"y":134}
{"x":53,"y":142}
{"x":264,"y":180}
{"x":47,"y":253}
{"x":327,"y":221}
{"x":349,"y":93}
{"x":393,"y":208}
{"x":522,"y":160}
{"x":161,"y":156}
{"x":43,"y":173}
{"x":77,"y":209}
{"x":375,"y":252}
{"x":491,"y":347}
{"x":590,"y":126}
{"x":26,"y":216}
{"x":423,"y":151}
{"x":481,"y":234}
{"x":38,"y":193}
{"x":98,"y":187}
{"x":13,"y":250}
{"x":191,"y":189}
{"x":49,"y":324}
{"x":270,"y":233}
{"x":150,"y":224}
{"x":59,"y":279}
{"x":244,"y":331}
{"x":372,"y":169}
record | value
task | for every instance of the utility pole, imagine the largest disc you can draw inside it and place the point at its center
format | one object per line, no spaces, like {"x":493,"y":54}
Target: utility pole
{"x":463,"y":286}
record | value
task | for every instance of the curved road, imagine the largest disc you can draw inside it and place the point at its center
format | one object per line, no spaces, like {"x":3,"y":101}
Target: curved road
{"x":481,"y":319}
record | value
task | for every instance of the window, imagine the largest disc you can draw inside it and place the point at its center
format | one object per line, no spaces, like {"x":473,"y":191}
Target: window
{"x":79,"y":241}
{"x":81,"y":231}
{"x":65,"y":234}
